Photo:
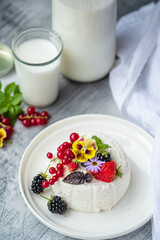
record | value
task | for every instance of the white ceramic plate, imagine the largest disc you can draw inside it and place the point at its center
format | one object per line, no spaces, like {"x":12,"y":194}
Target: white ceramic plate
{"x":134,"y":210}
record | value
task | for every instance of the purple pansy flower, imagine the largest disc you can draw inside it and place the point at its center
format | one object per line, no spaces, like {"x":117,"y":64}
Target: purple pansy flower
{"x":93,"y":165}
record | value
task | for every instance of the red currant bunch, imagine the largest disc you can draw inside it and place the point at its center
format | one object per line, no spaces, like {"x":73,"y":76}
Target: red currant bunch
{"x":33,"y":118}
{"x":5,"y":124}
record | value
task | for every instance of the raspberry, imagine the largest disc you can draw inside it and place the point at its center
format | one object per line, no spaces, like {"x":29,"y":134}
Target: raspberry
{"x":72,"y":166}
{"x":107,"y":173}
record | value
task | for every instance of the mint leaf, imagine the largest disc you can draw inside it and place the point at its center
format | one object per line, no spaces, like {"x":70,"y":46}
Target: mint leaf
{"x":118,"y":173}
{"x":16,"y":99}
{"x":2,"y":97}
{"x":101,"y":146}
{"x":0,"y":85}
{"x":10,"y":88}
{"x":3,"y":109}
{"x":11,"y":109}
{"x":10,"y":101}
{"x":17,"y":89}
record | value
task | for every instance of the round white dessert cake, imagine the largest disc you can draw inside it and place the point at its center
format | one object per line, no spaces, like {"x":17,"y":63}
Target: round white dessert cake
{"x":97,"y":195}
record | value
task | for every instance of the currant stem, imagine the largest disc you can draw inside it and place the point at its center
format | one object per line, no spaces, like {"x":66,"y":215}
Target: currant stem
{"x":54,"y":159}
{"x":31,"y":116}
{"x":47,"y":168}
{"x":44,"y":197}
{"x":3,"y":125}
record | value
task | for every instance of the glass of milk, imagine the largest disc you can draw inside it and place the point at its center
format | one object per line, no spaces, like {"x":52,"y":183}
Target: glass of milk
{"x":88,"y":31}
{"x":37,"y":53}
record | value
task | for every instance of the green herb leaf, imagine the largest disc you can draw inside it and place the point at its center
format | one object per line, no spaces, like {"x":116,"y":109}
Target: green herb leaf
{"x":0,"y":85}
{"x":16,"y":99}
{"x":11,"y":109}
{"x":10,"y":88}
{"x":3,"y":109}
{"x":2,"y":97}
{"x":118,"y":173}
{"x":17,"y":89}
{"x":101,"y":146}
{"x":10,"y":101}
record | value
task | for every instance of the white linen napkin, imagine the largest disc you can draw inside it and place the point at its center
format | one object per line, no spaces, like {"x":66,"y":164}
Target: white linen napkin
{"x":135,"y":84}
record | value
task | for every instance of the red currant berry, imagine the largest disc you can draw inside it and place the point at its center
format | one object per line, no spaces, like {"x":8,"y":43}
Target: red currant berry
{"x":6,"y":121}
{"x":69,"y":153}
{"x":8,"y":135}
{"x":66,"y":145}
{"x":51,"y":182}
{"x":45,"y":184}
{"x":74,"y":137}
{"x":21,"y":116}
{"x":36,"y":114}
{"x":45,"y":114}
{"x":72,"y":155}
{"x":52,"y":170}
{"x":61,"y":148}
{"x":39,"y":121}
{"x":60,"y":155}
{"x":59,"y":166}
{"x":26,"y":122}
{"x":9,"y":129}
{"x":31,"y":110}
{"x":55,"y":178}
{"x":69,"y":159}
{"x":49,"y":155}
{"x":33,"y":122}
{"x":44,"y":121}
{"x":65,"y":161}
{"x":58,"y":149}
{"x":1,"y":117}
{"x":60,"y":173}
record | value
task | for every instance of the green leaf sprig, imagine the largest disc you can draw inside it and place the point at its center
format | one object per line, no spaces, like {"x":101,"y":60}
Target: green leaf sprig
{"x":101,"y":146}
{"x":10,"y":100}
{"x":118,"y":172}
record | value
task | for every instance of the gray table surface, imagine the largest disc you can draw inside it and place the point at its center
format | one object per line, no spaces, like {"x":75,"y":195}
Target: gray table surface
{"x":16,"y":221}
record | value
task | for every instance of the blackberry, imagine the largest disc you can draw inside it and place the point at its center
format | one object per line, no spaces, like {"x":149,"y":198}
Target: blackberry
{"x":106,"y":158}
{"x":36,"y":185}
{"x":57,"y":205}
{"x":99,"y":155}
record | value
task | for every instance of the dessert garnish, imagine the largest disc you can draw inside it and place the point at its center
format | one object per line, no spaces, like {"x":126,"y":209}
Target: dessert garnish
{"x":101,"y":146}
{"x":107,"y":172}
{"x":84,"y":149}
{"x":56,"y":204}
{"x":36,"y":185}
{"x":93,"y":165}
{"x":78,"y":178}
{"x":72,"y":166}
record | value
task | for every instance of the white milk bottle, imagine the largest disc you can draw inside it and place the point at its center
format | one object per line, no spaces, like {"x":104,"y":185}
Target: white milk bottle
{"x":88,"y":31}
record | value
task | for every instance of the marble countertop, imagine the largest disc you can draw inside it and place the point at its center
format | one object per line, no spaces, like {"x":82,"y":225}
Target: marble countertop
{"x":16,"y":221}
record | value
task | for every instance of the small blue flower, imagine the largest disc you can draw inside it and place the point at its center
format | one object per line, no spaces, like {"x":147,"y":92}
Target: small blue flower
{"x":93,"y":165}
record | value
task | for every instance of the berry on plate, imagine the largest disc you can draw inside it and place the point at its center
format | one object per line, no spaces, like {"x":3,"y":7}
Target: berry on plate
{"x":72,"y":166}
{"x":107,"y":172}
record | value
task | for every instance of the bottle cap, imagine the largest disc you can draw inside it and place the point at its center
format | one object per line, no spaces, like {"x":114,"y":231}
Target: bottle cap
{"x":6,"y":59}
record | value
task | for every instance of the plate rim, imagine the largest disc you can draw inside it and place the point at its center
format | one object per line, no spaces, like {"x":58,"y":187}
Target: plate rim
{"x":69,"y":232}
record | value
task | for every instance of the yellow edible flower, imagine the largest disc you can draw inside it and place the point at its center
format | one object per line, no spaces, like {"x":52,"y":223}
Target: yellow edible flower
{"x":2,"y":136}
{"x":84,"y":149}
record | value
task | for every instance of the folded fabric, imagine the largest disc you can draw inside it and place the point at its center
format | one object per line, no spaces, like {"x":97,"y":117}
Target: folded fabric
{"x":135,"y":83}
